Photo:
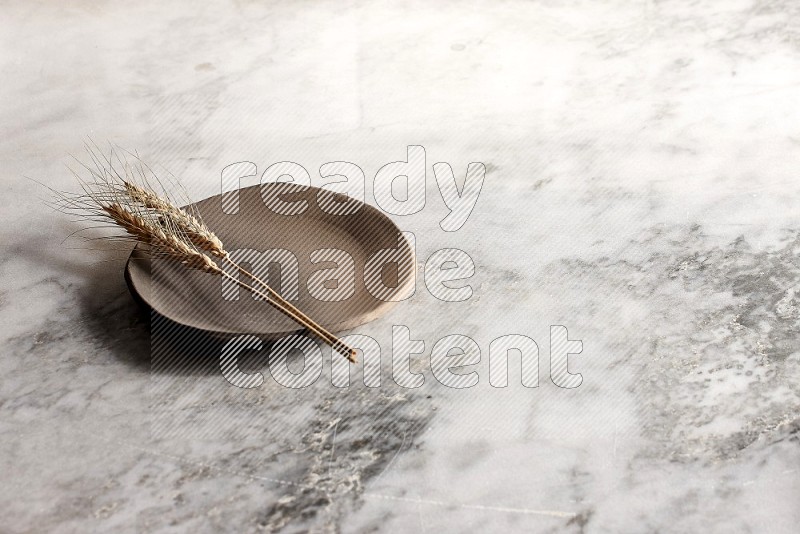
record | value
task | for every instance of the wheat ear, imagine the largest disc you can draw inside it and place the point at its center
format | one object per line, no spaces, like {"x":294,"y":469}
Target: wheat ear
{"x":161,"y":242}
{"x":195,"y":230}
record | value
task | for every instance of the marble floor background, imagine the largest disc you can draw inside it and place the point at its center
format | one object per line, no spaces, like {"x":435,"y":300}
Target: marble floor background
{"x":642,"y":189}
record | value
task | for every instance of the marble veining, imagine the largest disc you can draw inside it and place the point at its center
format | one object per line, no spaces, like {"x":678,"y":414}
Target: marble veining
{"x":641,"y":190}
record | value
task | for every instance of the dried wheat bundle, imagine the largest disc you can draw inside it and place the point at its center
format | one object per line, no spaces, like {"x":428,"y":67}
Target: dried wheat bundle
{"x":123,"y":192}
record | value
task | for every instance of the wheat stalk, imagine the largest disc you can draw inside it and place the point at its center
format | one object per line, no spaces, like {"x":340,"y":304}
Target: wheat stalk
{"x":171,"y":232}
{"x":203,"y":238}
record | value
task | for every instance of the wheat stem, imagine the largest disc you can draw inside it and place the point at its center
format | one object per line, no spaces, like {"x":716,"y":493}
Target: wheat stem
{"x":204,"y":239}
{"x":281,"y":305}
{"x":297,"y":314}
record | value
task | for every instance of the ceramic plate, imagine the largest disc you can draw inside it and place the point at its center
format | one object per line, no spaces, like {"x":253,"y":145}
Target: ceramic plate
{"x":299,"y":241}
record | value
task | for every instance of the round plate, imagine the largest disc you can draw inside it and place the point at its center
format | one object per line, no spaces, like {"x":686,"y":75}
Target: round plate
{"x":302,"y":256}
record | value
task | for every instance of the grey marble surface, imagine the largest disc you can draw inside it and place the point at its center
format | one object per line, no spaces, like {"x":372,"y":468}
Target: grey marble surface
{"x":642,"y":189}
